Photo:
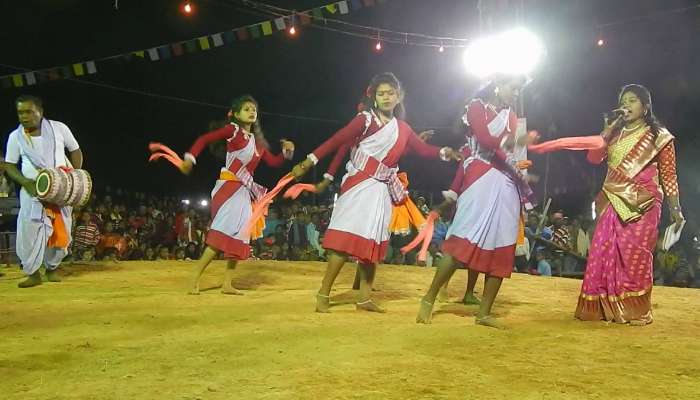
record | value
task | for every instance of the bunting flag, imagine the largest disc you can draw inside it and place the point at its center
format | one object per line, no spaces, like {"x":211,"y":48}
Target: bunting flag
{"x":177,"y":49}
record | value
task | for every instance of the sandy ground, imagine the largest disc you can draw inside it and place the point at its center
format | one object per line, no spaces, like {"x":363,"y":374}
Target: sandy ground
{"x":128,"y":331}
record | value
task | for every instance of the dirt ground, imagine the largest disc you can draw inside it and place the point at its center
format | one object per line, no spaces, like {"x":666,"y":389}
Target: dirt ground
{"x":128,"y":331}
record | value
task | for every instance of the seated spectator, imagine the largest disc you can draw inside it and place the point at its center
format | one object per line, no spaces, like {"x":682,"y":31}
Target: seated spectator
{"x":86,"y":235}
{"x":271,"y":222}
{"x":314,"y":235}
{"x":150,"y":254}
{"x":192,"y":251}
{"x":111,"y":240}
{"x":543,"y":266}
{"x":138,"y":253}
{"x":267,"y":248}
{"x":180,"y":254}
{"x":163,"y":254}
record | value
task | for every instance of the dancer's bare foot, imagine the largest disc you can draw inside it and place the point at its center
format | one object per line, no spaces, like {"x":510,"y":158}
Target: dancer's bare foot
{"x":639,"y":322}
{"x":443,"y":296}
{"x":425,"y":313}
{"x":369,"y":305}
{"x":231,"y":290}
{"x":194,"y":287}
{"x":470,"y":299}
{"x":490,"y":321}
{"x":323,"y":303}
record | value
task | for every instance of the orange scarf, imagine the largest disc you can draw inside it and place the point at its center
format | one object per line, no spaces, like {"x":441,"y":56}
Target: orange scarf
{"x":59,"y":237}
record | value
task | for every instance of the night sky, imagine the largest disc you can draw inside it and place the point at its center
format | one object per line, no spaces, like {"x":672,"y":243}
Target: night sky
{"x":321,"y":74}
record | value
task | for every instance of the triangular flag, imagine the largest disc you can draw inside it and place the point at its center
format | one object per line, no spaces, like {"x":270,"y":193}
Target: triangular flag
{"x":30,"y":78}
{"x":42,"y":76}
{"x":67,"y":72}
{"x":229,"y":37}
{"x":343,"y":7}
{"x":139,"y":53}
{"x":317,"y":13}
{"x":164,"y":52}
{"x":204,"y":43}
{"x":254,"y":31}
{"x":17,"y":80}
{"x":91,"y":67}
{"x":54,"y":74}
{"x":178,"y":50}
{"x":153,"y":54}
{"x":279,"y":23}
{"x":217,"y":39}
{"x":191,"y":46}
{"x":78,"y":69}
{"x":305,"y":18}
{"x":242,"y":34}
{"x":331,"y":8}
{"x":266,"y":28}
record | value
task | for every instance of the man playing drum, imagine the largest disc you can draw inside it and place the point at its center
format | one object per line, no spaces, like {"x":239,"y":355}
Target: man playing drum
{"x":43,"y":230}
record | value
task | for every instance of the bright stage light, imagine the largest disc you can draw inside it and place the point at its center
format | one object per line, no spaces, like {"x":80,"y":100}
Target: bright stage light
{"x":203,"y":203}
{"x":378,"y":46}
{"x":292,"y":30}
{"x":187,"y":8}
{"x":186,"y":202}
{"x":512,"y":52}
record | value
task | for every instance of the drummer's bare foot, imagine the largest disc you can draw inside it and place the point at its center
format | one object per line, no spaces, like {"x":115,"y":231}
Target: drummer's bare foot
{"x":369,"y":305}
{"x":231,"y":290}
{"x":323,"y":303}
{"x":425,"y":313}
{"x":32,"y":280}
{"x":470,"y":299}
{"x":52,"y":276}
{"x":490,"y":321}
{"x":443,"y":296}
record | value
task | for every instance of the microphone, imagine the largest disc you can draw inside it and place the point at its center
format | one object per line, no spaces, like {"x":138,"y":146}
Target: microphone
{"x":620,"y":112}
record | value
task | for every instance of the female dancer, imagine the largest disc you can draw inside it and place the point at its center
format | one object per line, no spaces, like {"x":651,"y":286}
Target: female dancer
{"x":359,"y":223}
{"x":235,"y":189}
{"x":640,"y":152}
{"x":483,"y":234}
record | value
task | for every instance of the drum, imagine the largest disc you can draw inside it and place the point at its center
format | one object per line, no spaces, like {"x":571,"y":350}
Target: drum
{"x":82,"y":188}
{"x":64,"y":188}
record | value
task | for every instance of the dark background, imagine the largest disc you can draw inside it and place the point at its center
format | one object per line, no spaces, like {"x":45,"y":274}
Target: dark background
{"x":321,"y":74}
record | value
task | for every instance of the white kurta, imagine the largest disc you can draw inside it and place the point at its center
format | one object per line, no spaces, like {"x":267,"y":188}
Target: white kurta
{"x":34,"y":227}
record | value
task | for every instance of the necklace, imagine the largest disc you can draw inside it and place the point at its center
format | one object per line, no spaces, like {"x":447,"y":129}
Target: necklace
{"x":634,"y":128}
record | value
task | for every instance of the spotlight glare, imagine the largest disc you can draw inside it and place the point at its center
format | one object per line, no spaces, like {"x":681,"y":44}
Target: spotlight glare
{"x":292,"y":30}
{"x":186,"y":202}
{"x":601,"y":42}
{"x":187,"y":8}
{"x":513,"y":52}
{"x":203,"y":203}
{"x":441,"y":49}
{"x":378,"y":46}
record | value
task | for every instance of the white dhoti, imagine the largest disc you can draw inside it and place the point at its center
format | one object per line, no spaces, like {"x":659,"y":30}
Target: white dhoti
{"x":34,"y":228}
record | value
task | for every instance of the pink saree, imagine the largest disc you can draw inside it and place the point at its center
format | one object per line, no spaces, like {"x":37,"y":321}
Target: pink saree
{"x":619,"y":276}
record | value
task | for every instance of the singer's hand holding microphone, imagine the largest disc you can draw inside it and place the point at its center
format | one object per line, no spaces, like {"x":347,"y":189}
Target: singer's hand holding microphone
{"x":619,"y":115}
